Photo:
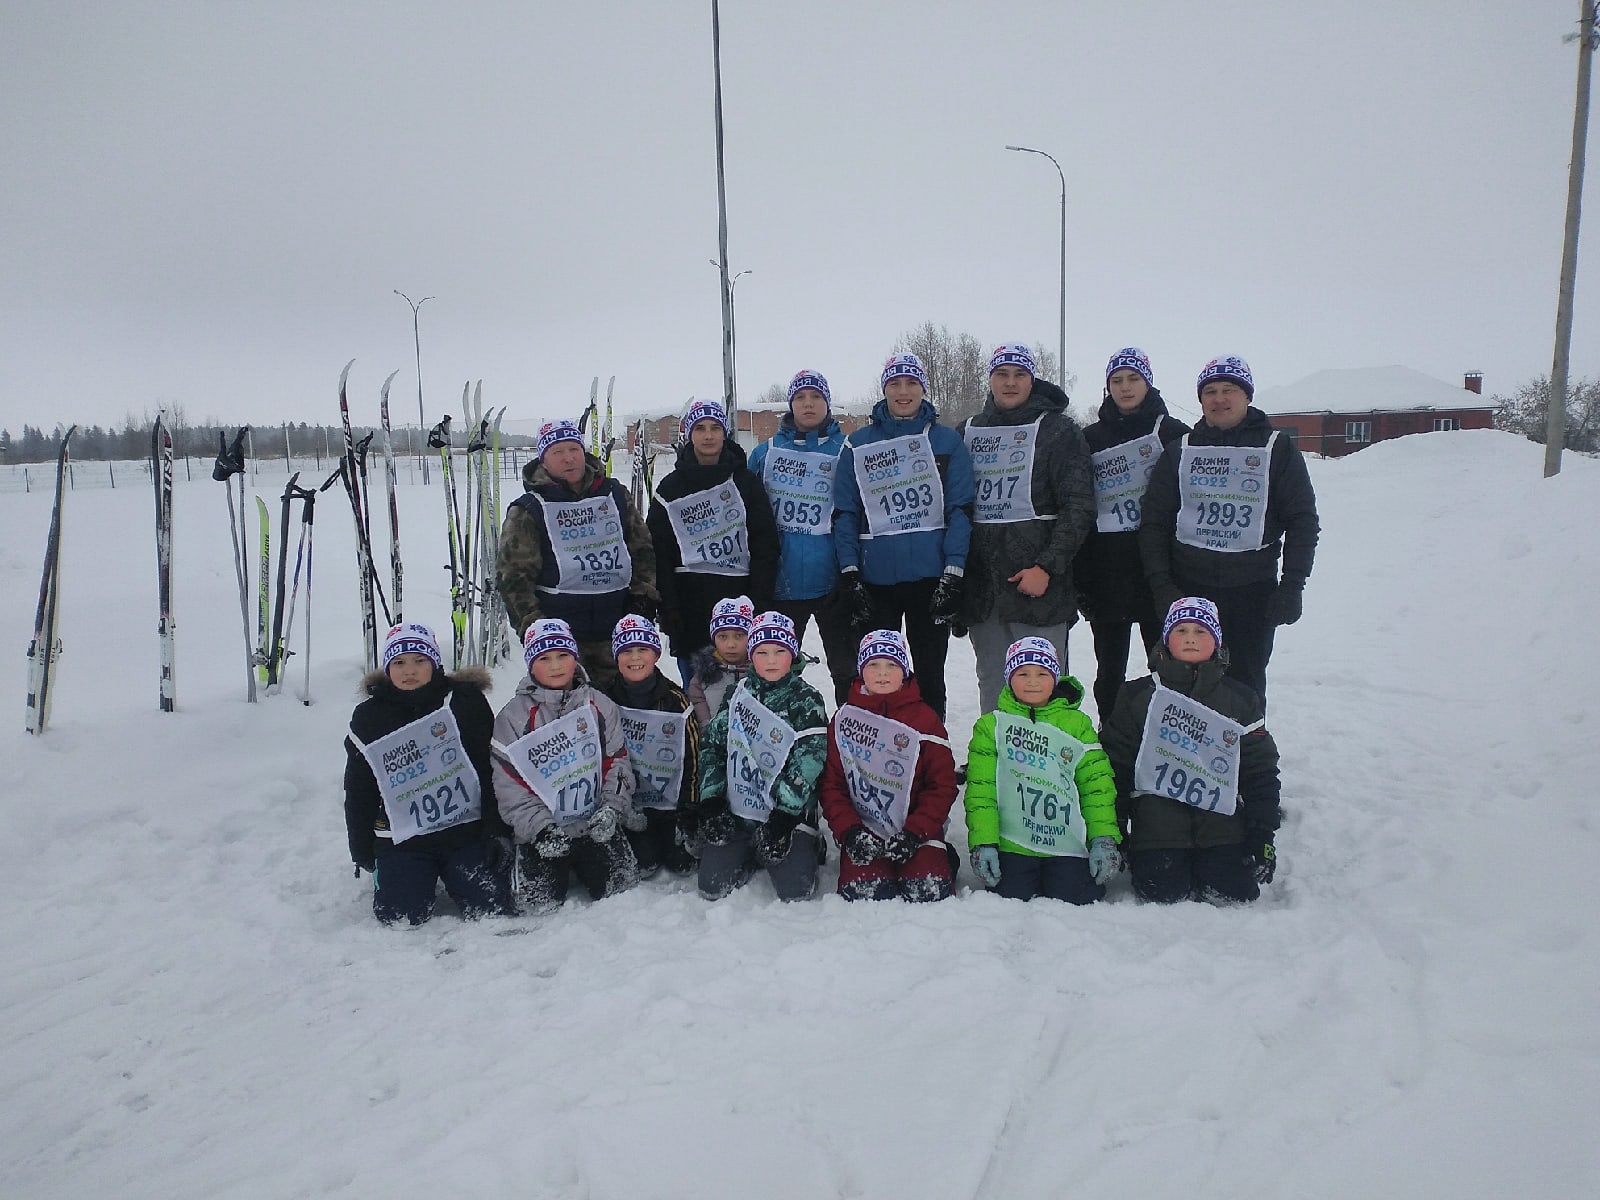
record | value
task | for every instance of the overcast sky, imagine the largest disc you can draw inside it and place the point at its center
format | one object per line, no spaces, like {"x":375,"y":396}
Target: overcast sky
{"x":209,"y":204}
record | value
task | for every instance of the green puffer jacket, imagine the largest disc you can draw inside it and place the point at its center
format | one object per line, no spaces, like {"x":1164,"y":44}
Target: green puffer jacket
{"x":802,"y":709}
{"x":1097,"y":793}
{"x":1161,"y":823}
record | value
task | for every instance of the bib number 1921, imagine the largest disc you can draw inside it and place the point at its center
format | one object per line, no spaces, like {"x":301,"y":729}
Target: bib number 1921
{"x":438,"y":804}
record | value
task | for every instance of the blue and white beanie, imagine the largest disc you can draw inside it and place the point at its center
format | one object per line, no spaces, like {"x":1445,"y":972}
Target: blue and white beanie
{"x":776,"y":628}
{"x":1032,"y":652}
{"x":736,"y":612}
{"x":552,"y":432}
{"x":702,"y":410}
{"x":411,"y":639}
{"x":903,"y":364}
{"x":884,"y":643}
{"x":815,"y":380}
{"x":1193,"y":608}
{"x":1131,"y":358}
{"x":1014,"y":354}
{"x":634,"y":630}
{"x":1227,"y":366}
{"x":545,"y":635}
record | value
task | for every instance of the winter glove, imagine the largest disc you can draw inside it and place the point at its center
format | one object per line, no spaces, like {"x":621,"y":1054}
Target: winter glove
{"x":1264,"y":852}
{"x":1165,"y":593}
{"x":1105,"y":860}
{"x":855,"y":602}
{"x":552,"y":843}
{"x":717,"y":828}
{"x":861,"y":846}
{"x":368,"y":864}
{"x":945,"y":606}
{"x":1086,"y":607}
{"x":986,"y":863}
{"x":901,"y":847}
{"x":635,"y":820}
{"x":642,"y":605}
{"x":773,"y":840}
{"x":497,"y":853}
{"x":603,"y":823}
{"x":1283,"y":607}
{"x":688,"y":831}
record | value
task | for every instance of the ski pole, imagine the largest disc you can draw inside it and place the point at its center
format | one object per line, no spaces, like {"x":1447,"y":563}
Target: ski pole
{"x":230,"y":462}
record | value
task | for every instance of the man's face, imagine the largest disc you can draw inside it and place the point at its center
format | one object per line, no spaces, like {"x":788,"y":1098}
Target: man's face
{"x":1224,"y":402}
{"x":904,"y":396}
{"x":809,"y":409}
{"x":1011,"y":387}
{"x":564,"y":462}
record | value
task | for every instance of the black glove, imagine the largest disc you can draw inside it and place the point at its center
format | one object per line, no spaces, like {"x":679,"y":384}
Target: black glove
{"x":901,"y":847}
{"x":497,"y":853}
{"x":945,"y":606}
{"x":552,"y":843}
{"x":368,"y":864}
{"x":1259,"y":843}
{"x":1086,"y":606}
{"x":688,"y":827}
{"x":773,"y":840}
{"x":642,"y":606}
{"x":717,"y":828}
{"x":861,"y":846}
{"x":1283,"y":608}
{"x":1165,"y":593}
{"x":855,"y":602}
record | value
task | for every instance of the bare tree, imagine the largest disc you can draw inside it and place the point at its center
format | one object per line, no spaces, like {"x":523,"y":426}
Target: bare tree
{"x":773,"y":396}
{"x":1527,"y":412}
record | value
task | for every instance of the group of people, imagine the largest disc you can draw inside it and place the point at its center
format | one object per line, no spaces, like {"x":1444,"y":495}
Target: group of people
{"x":1003,"y":529}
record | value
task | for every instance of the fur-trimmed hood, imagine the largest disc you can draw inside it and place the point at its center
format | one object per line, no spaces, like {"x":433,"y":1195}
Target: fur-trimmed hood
{"x":375,"y":682}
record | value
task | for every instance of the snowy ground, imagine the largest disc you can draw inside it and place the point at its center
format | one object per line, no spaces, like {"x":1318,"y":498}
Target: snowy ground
{"x":197,"y":1002}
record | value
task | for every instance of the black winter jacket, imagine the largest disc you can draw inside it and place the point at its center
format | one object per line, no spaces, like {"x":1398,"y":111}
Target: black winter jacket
{"x":386,"y":709}
{"x":687,"y":597}
{"x":662,"y":695}
{"x":1291,"y":520}
{"x":1109,"y":570}
{"x":1161,"y":823}
{"x":1063,"y":485}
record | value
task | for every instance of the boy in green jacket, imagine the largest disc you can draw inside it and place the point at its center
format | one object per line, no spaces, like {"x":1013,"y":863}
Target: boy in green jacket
{"x":1041,"y":803}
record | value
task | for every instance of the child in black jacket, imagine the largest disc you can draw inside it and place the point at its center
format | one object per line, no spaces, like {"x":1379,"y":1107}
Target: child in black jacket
{"x":418,"y":794}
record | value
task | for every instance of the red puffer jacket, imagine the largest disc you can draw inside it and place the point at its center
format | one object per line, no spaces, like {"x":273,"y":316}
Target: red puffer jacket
{"x":933,"y":790}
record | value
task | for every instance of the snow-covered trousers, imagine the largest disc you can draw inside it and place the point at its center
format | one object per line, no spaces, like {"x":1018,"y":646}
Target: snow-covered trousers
{"x":604,"y":868}
{"x":724,"y":869}
{"x":405,"y":883}
{"x":1024,"y":876}
{"x":928,"y":875}
{"x":991,"y":639}
{"x":1207,"y":873}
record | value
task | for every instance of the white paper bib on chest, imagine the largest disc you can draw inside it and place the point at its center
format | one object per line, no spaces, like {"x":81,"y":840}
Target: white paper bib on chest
{"x":800,"y":484}
{"x":1224,"y":494}
{"x":561,"y":763}
{"x":880,"y":762}
{"x":1002,"y":472}
{"x":901,"y":491}
{"x":655,"y":752}
{"x":1189,"y":753}
{"x":1036,"y":786}
{"x":590,"y":549}
{"x":1121,"y":475}
{"x":713,"y":536}
{"x":759,"y":741}
{"x":424,"y":776}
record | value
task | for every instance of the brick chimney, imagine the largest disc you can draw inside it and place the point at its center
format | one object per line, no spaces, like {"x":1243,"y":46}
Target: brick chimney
{"x":1474,"y":382}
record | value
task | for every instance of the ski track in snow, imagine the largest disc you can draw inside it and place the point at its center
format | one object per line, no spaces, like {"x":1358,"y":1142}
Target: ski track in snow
{"x":197,"y":1002}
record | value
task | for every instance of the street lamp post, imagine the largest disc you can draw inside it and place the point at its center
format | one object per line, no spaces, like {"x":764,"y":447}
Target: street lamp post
{"x":1061,"y":367}
{"x":416,"y":338}
{"x":733,"y":337}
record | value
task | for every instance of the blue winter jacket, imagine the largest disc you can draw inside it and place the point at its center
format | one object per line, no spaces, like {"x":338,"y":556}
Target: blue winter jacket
{"x":904,"y":557}
{"x":807,"y":568}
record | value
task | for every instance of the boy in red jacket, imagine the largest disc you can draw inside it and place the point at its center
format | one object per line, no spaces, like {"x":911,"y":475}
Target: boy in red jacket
{"x":889,"y":782}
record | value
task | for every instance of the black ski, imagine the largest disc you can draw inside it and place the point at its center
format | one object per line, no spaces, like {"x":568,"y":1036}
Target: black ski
{"x":46,"y":646}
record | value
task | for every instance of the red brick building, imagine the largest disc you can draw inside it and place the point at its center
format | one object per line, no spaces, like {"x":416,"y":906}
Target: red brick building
{"x":1337,"y":412}
{"x":756,"y":425}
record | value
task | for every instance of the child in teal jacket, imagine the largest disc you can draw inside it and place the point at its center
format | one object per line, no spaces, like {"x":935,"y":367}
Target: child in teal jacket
{"x":1041,"y":800}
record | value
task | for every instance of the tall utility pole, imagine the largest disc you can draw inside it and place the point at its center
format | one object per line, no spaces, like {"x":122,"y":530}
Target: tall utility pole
{"x":733,"y":324}
{"x":1556,"y":430}
{"x":728,"y":398}
{"x":1062,"y":365}
{"x":416,"y":339}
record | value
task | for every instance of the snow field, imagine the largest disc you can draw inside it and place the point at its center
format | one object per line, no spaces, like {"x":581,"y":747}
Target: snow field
{"x":198,"y":1002}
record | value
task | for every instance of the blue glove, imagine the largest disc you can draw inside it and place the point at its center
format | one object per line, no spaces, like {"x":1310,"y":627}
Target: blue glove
{"x":986,"y":862}
{"x":1105,"y":860}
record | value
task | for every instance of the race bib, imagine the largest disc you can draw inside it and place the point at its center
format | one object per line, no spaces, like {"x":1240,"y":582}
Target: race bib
{"x":1121,"y":474}
{"x":880,"y":761}
{"x":561,"y":763}
{"x":800,"y":485}
{"x":759,"y":741}
{"x":1224,"y":494}
{"x":590,"y":550}
{"x":901,"y":491}
{"x":1035,"y":786}
{"x":1189,"y":753}
{"x":424,"y":776}
{"x":656,"y":743}
{"x":713,"y":538}
{"x":1002,"y":470}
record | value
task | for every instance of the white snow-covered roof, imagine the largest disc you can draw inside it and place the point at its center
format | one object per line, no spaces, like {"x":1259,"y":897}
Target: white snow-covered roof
{"x":1364,"y":389}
